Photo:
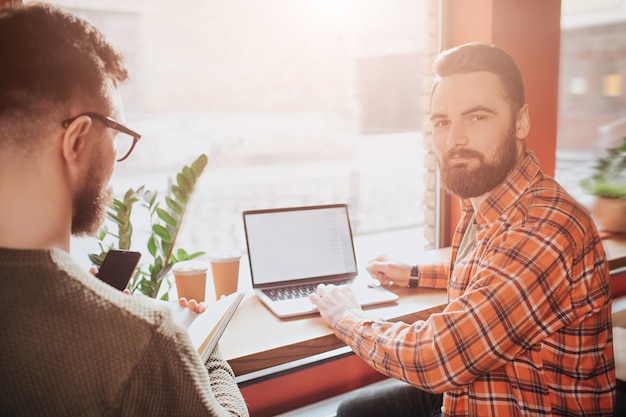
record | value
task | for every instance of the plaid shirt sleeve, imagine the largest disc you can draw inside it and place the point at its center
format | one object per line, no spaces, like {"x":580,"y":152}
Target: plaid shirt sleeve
{"x":527,"y":330}
{"x":433,"y":276}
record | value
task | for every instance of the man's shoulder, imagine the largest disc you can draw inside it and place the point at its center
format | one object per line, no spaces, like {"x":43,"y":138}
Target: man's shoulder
{"x":136,"y":315}
{"x":546,"y":194}
{"x":53,"y":299}
{"x":87,"y":344}
{"x":59,"y":295}
{"x":547,"y":206}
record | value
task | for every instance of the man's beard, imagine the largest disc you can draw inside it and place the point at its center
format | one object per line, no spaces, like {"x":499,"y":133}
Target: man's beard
{"x":90,"y":205}
{"x":466,"y":182}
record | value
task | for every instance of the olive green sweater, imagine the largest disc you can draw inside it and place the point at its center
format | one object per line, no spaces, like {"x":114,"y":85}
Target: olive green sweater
{"x":71,"y":345}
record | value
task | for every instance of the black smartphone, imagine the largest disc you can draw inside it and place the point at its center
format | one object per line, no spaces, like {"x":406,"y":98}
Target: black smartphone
{"x":118,"y":267}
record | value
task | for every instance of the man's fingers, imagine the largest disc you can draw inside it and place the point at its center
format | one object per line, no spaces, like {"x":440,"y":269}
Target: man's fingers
{"x":193,"y":305}
{"x":314,"y":298}
{"x":323,"y":289}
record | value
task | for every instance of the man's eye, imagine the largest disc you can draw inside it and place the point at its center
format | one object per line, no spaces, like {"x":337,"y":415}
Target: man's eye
{"x":478,"y":117}
{"x":440,"y":123}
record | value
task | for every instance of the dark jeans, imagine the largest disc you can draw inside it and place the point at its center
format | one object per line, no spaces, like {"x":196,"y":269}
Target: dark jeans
{"x":397,"y":399}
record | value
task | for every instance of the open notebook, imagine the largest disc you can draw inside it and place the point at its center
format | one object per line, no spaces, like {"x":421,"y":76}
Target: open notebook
{"x":292,"y":250}
{"x":205,"y":329}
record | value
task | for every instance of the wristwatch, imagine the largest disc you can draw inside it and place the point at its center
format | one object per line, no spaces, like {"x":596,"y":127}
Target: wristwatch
{"x":414,"y":273}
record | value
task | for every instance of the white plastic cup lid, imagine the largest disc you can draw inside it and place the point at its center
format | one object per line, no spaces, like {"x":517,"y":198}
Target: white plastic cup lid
{"x":189,"y":267}
{"x":225,"y":255}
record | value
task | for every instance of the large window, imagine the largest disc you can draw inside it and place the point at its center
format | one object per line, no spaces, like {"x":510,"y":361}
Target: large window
{"x":592,"y":96}
{"x":295,"y":102}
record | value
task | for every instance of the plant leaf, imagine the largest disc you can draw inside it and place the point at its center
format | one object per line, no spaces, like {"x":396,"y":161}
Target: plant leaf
{"x":195,"y":255}
{"x":158,"y":265}
{"x":152,"y":246}
{"x":199,"y":164}
{"x":184,"y":183}
{"x":180,"y":195}
{"x":162,"y":232}
{"x":117,"y":220}
{"x":97,"y":259}
{"x":182,"y":254}
{"x":174,"y":206}
{"x":607,"y":179}
{"x":150,"y":197}
{"x":167,"y":218}
{"x":166,"y":246}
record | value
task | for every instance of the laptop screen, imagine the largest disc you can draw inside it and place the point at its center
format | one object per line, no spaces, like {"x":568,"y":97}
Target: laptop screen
{"x":299,"y":243}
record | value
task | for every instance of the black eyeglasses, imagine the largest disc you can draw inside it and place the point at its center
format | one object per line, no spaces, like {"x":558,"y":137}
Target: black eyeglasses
{"x":125,"y":140}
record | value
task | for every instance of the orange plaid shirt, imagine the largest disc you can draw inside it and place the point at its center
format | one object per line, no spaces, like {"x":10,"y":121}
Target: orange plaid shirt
{"x":527,"y":329}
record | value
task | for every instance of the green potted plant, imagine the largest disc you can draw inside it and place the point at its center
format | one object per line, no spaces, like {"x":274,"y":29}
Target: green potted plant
{"x":608,"y":184}
{"x":165,"y":218}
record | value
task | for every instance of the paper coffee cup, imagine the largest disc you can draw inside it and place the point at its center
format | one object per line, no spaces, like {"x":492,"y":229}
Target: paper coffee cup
{"x":225,"y":268}
{"x":190,"y":279}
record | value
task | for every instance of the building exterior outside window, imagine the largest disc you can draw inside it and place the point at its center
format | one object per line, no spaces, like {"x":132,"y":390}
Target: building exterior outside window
{"x":592,"y":100}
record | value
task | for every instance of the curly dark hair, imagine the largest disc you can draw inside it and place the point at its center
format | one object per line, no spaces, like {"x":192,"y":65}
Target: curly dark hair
{"x":51,"y":59}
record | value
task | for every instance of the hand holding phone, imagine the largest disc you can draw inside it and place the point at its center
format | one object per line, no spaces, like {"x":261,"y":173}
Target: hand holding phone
{"x":118,"y":267}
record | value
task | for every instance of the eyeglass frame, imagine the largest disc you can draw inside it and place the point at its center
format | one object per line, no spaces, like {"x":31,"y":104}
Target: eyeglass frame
{"x":110,"y":123}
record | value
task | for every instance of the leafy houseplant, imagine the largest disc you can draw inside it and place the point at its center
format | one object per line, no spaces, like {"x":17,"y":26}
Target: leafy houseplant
{"x":165,"y":218}
{"x":608,"y":184}
{"x":609,"y":175}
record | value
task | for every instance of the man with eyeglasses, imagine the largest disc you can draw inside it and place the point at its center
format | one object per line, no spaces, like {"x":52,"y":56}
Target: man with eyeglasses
{"x":70,"y":344}
{"x":125,"y":139}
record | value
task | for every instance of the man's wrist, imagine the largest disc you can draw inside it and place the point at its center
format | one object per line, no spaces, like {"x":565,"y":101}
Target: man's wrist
{"x":414,"y":275}
{"x":349,"y":314}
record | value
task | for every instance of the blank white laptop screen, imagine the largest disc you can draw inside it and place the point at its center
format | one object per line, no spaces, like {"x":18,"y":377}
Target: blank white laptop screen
{"x":291,"y":250}
{"x":289,"y":245}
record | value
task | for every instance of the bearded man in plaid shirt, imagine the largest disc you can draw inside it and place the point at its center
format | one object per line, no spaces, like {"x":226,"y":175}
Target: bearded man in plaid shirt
{"x":527,"y":328}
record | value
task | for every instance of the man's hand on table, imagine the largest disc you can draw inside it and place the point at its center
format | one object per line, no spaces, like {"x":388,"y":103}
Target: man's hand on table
{"x":332,"y":301}
{"x":389,"y":272}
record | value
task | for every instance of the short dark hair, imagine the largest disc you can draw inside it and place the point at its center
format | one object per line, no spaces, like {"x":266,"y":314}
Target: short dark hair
{"x":483,"y":56}
{"x":50,"y":59}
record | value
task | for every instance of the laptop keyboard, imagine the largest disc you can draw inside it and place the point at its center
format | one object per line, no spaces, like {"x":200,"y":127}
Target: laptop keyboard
{"x":296,"y":291}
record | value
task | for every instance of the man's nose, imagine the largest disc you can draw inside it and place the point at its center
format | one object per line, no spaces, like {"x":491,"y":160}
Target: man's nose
{"x":457,"y":136}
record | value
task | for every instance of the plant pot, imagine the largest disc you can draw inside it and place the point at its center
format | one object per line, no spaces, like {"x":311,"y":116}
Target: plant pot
{"x":610,"y":214}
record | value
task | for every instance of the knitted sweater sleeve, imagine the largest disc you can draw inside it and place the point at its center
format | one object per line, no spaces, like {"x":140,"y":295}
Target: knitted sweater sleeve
{"x":178,"y":383}
{"x":223,"y":385}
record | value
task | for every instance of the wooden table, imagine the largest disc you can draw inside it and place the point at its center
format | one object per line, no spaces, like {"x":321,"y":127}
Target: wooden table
{"x":615,"y":247}
{"x":257,"y":340}
{"x":619,"y":344}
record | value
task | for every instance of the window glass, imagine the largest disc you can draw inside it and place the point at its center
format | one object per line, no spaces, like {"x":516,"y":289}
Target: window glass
{"x":295,"y":102}
{"x":592,"y":99}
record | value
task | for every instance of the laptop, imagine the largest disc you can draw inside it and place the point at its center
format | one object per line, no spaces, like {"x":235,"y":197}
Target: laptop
{"x":292,"y":250}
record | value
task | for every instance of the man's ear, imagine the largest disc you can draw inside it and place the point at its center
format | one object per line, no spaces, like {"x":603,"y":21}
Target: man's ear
{"x":522,"y":124}
{"x":74,"y":138}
